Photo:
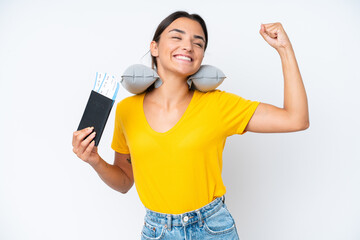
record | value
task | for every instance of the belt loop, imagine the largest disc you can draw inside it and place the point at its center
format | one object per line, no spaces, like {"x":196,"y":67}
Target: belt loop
{"x":200,"y":218}
{"x":169,"y":222}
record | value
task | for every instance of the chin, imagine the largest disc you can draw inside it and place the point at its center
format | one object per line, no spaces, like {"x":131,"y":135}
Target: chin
{"x":186,"y":71}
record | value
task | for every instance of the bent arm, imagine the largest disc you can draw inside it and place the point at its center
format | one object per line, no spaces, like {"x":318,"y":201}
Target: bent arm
{"x":118,"y":176}
{"x":294,"y":115}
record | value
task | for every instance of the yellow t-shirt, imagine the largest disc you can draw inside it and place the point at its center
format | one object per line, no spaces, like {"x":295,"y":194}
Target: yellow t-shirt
{"x":180,"y":170}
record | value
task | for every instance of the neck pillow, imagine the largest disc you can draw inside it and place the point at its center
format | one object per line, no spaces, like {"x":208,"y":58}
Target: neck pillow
{"x":137,"y":78}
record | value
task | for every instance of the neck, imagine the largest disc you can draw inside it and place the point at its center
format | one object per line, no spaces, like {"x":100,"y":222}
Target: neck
{"x":173,"y":91}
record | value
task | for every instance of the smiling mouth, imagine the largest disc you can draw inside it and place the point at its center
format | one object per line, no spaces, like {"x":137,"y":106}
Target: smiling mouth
{"x":185,"y":58}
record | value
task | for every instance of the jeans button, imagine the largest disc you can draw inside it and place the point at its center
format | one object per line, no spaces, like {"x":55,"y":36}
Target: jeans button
{"x":186,"y":218}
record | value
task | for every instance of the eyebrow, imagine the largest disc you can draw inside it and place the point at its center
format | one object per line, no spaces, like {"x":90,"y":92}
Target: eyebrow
{"x":183,"y":32}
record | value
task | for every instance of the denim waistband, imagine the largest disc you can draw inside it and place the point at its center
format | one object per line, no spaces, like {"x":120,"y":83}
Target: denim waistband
{"x":169,"y":220}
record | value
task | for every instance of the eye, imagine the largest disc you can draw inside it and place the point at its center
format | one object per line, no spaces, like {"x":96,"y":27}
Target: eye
{"x":176,"y":38}
{"x":199,"y":44}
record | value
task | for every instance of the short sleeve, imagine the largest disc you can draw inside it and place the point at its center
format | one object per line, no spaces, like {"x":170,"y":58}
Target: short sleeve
{"x":235,"y":112}
{"x":119,"y":141}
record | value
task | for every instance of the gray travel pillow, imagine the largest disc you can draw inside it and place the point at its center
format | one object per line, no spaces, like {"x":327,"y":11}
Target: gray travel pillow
{"x":137,"y":78}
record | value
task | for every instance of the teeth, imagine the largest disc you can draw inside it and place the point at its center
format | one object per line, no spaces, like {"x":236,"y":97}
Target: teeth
{"x":183,"y":58}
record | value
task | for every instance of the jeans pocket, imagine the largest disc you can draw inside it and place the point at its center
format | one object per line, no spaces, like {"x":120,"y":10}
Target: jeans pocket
{"x":152,"y":230}
{"x":220,"y":222}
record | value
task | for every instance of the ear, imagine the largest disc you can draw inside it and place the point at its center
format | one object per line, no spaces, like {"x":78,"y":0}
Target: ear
{"x":154,"y":49}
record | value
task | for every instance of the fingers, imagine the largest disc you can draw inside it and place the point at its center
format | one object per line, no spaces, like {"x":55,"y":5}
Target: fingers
{"x":265,"y":34}
{"x":83,"y":147}
{"x":86,"y":154}
{"x":275,"y":35}
{"x":271,"y":29}
{"x":78,"y":136}
{"x":85,"y":143}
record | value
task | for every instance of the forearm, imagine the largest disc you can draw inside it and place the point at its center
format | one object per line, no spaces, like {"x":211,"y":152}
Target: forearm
{"x":295,"y":100}
{"x":113,"y":176}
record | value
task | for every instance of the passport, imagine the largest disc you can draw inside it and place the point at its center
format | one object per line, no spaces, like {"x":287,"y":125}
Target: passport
{"x":99,"y":104}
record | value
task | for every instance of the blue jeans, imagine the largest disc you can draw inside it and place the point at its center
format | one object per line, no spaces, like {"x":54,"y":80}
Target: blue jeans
{"x":212,"y":221}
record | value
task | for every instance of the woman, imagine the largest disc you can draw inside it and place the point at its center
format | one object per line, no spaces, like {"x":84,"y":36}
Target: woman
{"x":176,"y":135}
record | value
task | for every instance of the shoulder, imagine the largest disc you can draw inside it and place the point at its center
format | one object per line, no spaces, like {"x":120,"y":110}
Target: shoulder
{"x":218,"y":95}
{"x":128,"y":102}
{"x":128,"y":106}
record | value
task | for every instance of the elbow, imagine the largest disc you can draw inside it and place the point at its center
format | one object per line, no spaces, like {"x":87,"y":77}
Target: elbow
{"x":125,"y":190}
{"x":303,"y":125}
{"x":306,"y":122}
{"x":299,"y":122}
{"x":307,"y":125}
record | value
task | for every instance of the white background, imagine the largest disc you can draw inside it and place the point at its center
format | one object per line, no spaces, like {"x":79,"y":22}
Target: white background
{"x":303,"y":185}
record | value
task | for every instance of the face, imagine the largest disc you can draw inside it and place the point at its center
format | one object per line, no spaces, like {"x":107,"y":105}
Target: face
{"x":180,"y":49}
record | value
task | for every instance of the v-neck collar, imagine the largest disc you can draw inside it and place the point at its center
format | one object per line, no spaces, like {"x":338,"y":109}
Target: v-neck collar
{"x":178,"y":122}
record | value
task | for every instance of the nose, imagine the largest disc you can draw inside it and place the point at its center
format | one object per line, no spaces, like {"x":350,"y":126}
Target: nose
{"x":187,"y":46}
